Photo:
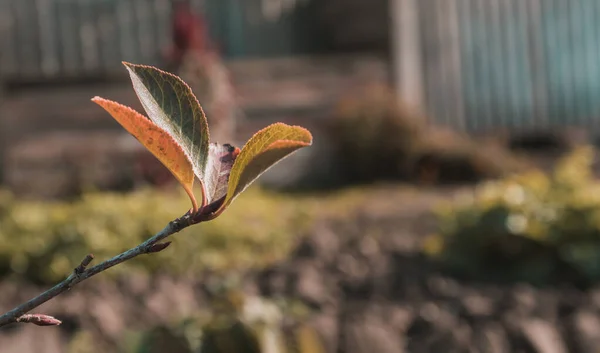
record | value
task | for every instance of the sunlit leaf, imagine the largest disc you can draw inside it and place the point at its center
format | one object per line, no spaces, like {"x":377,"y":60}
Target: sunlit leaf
{"x":156,"y":140}
{"x":170,"y":104}
{"x":267,"y":147}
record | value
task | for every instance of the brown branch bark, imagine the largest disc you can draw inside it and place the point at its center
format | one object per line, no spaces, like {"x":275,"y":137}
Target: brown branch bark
{"x":81,"y":272}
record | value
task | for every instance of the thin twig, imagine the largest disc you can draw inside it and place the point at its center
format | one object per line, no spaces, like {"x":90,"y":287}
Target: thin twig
{"x":81,"y":272}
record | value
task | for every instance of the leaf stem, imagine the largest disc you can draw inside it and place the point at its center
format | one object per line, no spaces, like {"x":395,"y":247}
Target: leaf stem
{"x":81,"y":272}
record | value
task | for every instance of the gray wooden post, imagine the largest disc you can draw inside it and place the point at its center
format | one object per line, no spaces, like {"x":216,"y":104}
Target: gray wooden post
{"x":406,"y":59}
{"x":3,"y":127}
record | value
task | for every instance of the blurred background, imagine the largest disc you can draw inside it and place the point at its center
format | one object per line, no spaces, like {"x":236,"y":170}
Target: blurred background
{"x":449,"y":203}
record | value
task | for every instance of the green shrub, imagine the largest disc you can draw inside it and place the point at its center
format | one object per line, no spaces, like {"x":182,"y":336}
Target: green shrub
{"x":44,"y":240}
{"x":375,"y":137}
{"x":534,"y":226}
{"x":373,"y":134}
{"x":442,"y":155}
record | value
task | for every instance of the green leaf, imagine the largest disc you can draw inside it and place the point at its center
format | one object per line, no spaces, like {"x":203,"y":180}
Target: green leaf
{"x":267,"y":147}
{"x":170,"y":104}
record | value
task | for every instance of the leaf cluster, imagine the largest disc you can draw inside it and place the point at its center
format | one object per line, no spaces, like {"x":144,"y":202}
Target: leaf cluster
{"x":176,"y":132}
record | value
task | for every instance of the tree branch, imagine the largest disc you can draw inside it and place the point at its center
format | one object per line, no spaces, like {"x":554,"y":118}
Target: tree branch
{"x":81,"y":272}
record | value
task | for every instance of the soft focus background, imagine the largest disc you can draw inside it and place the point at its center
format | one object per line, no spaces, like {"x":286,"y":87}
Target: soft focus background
{"x":449,"y":203}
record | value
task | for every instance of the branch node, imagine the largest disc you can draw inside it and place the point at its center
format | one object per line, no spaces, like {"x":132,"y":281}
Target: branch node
{"x":182,"y":222}
{"x":84,"y":263}
{"x":157,"y":247}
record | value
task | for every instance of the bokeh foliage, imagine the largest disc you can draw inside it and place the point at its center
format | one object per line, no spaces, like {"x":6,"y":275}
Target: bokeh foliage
{"x":535,"y":226}
{"x":45,"y":240}
{"x":377,"y":137}
{"x":42,"y":241}
{"x":235,"y":323}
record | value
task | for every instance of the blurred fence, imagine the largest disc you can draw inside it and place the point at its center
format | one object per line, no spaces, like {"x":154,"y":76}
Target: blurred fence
{"x":486,"y":63}
{"x":511,"y":63}
{"x":63,"y":38}
{"x":42,"y":39}
{"x":264,"y":28}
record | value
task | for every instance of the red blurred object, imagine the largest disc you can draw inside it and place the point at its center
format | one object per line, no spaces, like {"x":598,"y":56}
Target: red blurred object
{"x":190,"y":33}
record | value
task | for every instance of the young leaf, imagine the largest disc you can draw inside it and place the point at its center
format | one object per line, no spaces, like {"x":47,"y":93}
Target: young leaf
{"x":156,"y":140}
{"x":218,"y":167}
{"x":170,"y":104}
{"x":267,"y":147}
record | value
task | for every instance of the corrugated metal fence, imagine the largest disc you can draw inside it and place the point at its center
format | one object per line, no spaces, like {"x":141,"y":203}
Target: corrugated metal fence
{"x":58,"y":38}
{"x":511,"y":63}
{"x":486,"y":63}
{"x":265,"y":28}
